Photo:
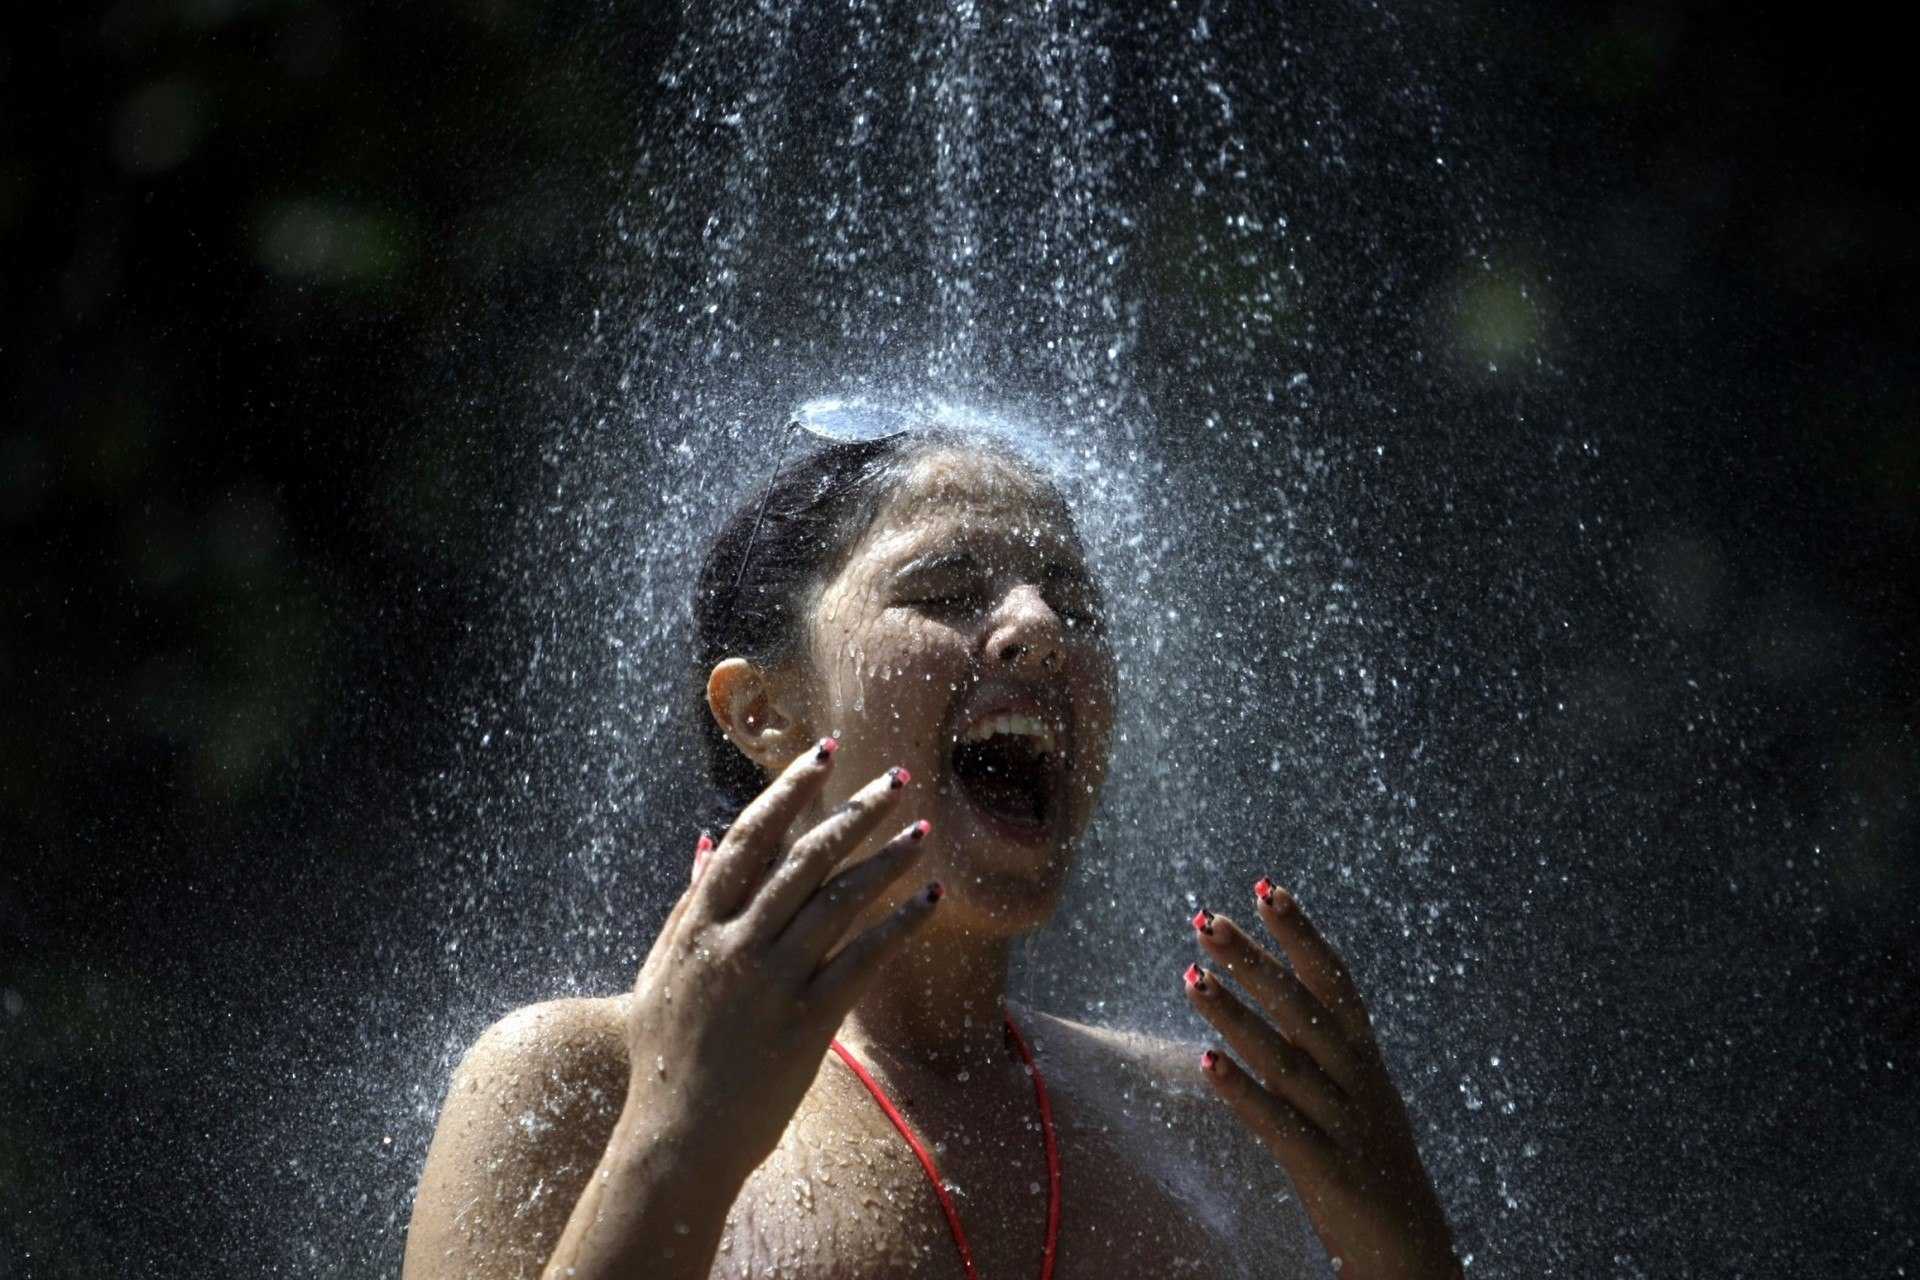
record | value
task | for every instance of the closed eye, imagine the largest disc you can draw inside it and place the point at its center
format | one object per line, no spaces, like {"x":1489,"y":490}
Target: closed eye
{"x":944,"y":603}
{"x":1077,"y":614}
{"x":1080,"y":609}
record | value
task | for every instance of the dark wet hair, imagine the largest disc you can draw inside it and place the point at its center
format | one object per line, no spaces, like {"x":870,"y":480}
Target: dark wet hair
{"x":815,"y":510}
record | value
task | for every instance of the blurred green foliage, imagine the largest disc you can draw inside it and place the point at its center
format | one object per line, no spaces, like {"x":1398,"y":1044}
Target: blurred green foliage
{"x":242,"y":241}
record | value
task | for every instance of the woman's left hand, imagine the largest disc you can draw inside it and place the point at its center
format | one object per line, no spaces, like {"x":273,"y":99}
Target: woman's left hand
{"x":1310,"y":1083}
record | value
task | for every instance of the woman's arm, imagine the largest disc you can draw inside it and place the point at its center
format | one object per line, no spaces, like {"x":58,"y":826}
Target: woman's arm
{"x":1312,"y":1085}
{"x":620,"y":1141}
{"x":656,"y":1202}
{"x":540,"y":1109}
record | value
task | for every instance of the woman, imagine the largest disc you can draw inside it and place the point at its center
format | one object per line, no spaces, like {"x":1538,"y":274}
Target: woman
{"x":905,"y":680}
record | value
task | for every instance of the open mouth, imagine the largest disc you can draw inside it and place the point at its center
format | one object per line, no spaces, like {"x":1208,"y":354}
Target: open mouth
{"x":1004,"y":763}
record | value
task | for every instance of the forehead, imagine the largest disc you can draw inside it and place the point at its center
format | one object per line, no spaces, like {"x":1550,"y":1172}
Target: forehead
{"x":988,"y":504}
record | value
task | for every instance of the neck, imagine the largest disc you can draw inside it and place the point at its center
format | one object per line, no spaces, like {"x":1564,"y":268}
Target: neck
{"x":939,"y":1004}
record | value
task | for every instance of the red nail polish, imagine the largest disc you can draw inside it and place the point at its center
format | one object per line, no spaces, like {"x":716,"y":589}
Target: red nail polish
{"x":827,"y":747}
{"x":1263,"y":890}
{"x":1196,"y":980}
{"x":935,"y":892}
{"x":920,"y":829}
{"x":1208,"y":1059}
{"x":703,"y":845}
{"x":899,"y":777}
{"x":1203,"y":921}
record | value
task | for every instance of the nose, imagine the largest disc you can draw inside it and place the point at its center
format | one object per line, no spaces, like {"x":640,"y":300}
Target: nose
{"x":1025,"y":634}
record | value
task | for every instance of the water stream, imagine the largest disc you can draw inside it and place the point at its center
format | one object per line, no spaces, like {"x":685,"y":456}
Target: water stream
{"x":1412,"y":609}
{"x":1257,"y":286}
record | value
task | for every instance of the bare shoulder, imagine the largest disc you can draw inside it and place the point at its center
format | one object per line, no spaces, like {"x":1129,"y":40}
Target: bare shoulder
{"x":553,"y":1070}
{"x":555,"y":1039}
{"x":526,"y":1118}
{"x":1186,"y":1115}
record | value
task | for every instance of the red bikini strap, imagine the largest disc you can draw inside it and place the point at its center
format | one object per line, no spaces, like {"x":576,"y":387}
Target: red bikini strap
{"x":1053,"y":1149}
{"x":933,"y":1172}
{"x":926,"y":1160}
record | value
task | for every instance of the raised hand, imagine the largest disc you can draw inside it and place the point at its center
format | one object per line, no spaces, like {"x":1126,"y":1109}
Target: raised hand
{"x":739,"y":997}
{"x":1309,"y":1081}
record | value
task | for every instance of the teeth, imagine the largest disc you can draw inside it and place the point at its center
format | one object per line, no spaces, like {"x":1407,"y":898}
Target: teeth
{"x":986,"y":726}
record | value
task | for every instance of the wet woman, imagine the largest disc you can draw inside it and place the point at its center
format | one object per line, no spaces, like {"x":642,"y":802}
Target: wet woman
{"x":905,"y":681}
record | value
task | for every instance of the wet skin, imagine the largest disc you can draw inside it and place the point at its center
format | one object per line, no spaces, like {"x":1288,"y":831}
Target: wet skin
{"x":1311,"y":1085}
{"x":967,"y":595}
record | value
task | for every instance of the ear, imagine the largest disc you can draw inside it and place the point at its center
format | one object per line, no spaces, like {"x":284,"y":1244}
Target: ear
{"x":759,"y":713}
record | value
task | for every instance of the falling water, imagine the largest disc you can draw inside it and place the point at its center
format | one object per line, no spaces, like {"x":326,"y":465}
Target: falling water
{"x":1253,"y":286}
{"x":1258,"y":284}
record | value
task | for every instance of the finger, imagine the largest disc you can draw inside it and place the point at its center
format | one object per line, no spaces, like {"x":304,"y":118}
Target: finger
{"x":841,"y":981}
{"x":1310,"y":1156}
{"x":1318,"y":965}
{"x":831,"y":911}
{"x":815,"y":854}
{"x":1296,"y":1011}
{"x":758,"y":832}
{"x":702,"y":847}
{"x":1283,"y":1069}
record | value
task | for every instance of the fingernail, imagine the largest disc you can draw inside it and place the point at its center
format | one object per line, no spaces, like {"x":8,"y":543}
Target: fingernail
{"x":827,"y":747}
{"x":920,"y":829}
{"x":1208,"y":1059}
{"x":934,"y":892}
{"x":1263,"y":890}
{"x":703,"y":845}
{"x":1203,"y":921}
{"x":899,"y":777}
{"x":1196,"y":980}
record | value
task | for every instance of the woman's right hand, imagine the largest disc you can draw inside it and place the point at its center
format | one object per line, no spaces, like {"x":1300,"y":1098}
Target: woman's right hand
{"x":738,"y":1000}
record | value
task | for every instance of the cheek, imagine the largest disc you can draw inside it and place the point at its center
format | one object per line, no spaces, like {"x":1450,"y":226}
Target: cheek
{"x":898,"y":677}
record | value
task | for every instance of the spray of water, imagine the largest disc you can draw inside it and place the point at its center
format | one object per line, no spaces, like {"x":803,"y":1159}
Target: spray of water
{"x":1258,"y":294}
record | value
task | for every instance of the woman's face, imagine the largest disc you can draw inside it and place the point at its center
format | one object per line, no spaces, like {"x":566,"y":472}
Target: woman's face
{"x":964,"y":639}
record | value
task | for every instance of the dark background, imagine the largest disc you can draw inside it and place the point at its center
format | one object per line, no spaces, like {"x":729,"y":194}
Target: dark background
{"x":276,"y":274}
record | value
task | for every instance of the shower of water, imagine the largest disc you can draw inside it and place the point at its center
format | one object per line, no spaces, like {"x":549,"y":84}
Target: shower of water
{"x":1256,"y":286}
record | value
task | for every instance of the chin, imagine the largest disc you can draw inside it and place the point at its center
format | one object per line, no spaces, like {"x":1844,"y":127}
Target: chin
{"x":1006,"y":875}
{"x":1002,"y":905}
